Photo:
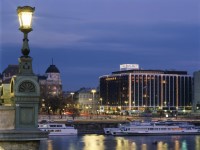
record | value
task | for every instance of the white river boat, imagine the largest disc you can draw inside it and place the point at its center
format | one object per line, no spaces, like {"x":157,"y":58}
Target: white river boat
{"x":158,"y":128}
{"x":58,"y":129}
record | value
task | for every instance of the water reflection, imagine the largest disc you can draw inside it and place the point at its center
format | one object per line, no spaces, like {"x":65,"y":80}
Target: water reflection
{"x":177,"y":145}
{"x":197,"y":143}
{"x":144,"y":146}
{"x":93,"y":142}
{"x":123,"y":143}
{"x":50,"y":146}
{"x":101,"y":142}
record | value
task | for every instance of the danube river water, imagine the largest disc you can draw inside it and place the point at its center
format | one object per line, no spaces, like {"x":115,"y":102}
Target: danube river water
{"x":102,"y":142}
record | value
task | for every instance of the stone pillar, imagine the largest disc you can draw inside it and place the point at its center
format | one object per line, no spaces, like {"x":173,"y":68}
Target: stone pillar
{"x":19,"y":123}
{"x":19,"y":145}
{"x":26,"y":97}
{"x":7,"y":118}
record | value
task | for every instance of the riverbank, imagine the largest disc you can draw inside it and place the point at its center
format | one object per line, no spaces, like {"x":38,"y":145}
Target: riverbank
{"x":95,"y":125}
{"x":114,"y":119}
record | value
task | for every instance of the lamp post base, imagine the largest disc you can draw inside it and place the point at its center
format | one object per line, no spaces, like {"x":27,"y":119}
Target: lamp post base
{"x":15,"y":140}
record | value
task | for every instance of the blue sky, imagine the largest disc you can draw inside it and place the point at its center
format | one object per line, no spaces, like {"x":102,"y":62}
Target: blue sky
{"x":91,"y":38}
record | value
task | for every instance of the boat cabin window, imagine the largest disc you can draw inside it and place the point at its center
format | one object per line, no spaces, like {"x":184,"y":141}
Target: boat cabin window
{"x":57,"y":130}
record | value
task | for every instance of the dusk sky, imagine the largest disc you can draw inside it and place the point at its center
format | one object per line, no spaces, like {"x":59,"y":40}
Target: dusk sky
{"x":91,"y":38}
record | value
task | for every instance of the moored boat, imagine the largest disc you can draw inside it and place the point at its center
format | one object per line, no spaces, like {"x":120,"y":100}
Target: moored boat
{"x":120,"y":128}
{"x":58,"y":129}
{"x":161,"y":130}
{"x":157,"y":128}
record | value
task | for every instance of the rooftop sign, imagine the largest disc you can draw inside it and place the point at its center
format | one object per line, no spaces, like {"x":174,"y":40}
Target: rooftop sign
{"x":129,"y":66}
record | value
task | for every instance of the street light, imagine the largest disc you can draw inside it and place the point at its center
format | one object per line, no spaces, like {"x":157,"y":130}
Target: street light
{"x":101,"y":100}
{"x":72,"y":93}
{"x":126,"y":102}
{"x":93,"y":92}
{"x":43,"y":103}
{"x":25,"y":15}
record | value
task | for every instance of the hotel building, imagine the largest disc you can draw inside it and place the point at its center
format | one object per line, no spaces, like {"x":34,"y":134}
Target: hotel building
{"x":196,"y":100}
{"x":132,"y":88}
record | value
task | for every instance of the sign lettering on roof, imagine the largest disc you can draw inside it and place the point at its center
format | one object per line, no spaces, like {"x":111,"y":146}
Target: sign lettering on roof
{"x":129,"y":66}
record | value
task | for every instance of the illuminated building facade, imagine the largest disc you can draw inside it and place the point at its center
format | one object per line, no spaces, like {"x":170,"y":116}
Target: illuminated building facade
{"x":5,"y":80}
{"x":86,"y":101}
{"x":196,"y":100}
{"x":154,"y":89}
{"x":50,"y":83}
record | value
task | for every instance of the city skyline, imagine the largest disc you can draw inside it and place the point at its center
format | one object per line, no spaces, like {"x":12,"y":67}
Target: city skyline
{"x":91,"y":38}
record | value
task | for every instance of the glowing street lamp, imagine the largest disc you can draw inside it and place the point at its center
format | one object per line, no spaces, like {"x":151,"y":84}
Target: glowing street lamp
{"x":25,"y":15}
{"x":72,"y":93}
{"x":101,"y":101}
{"x":93,"y":92}
{"x":126,"y":102}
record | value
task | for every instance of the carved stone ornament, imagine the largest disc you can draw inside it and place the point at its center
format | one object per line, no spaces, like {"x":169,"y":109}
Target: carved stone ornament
{"x":27,"y":87}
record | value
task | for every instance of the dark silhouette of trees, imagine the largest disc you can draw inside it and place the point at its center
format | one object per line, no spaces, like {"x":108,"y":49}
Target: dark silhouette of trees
{"x":74,"y":111}
{"x":54,"y":104}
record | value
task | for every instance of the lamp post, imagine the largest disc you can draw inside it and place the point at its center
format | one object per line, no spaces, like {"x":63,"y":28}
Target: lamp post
{"x":90,"y":107}
{"x":93,"y":92}
{"x":20,"y":128}
{"x":27,"y":95}
{"x":101,"y":108}
{"x":101,"y":101}
{"x":25,"y":15}
{"x":126,"y":102}
{"x":72,"y":93}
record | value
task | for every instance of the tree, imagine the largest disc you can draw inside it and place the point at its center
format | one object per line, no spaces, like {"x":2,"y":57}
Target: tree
{"x":54,"y":104}
{"x":74,"y":111}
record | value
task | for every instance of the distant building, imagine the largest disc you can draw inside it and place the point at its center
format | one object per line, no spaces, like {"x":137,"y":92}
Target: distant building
{"x":1,"y":88}
{"x":139,"y":89}
{"x":6,"y":77}
{"x":9,"y":72}
{"x":196,"y":100}
{"x":50,"y":83}
{"x":88,"y":103}
{"x":1,"y":78}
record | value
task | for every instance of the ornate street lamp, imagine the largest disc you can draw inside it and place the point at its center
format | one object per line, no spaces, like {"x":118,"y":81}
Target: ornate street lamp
{"x":21,"y":125}
{"x":26,"y":90}
{"x":25,"y":15}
